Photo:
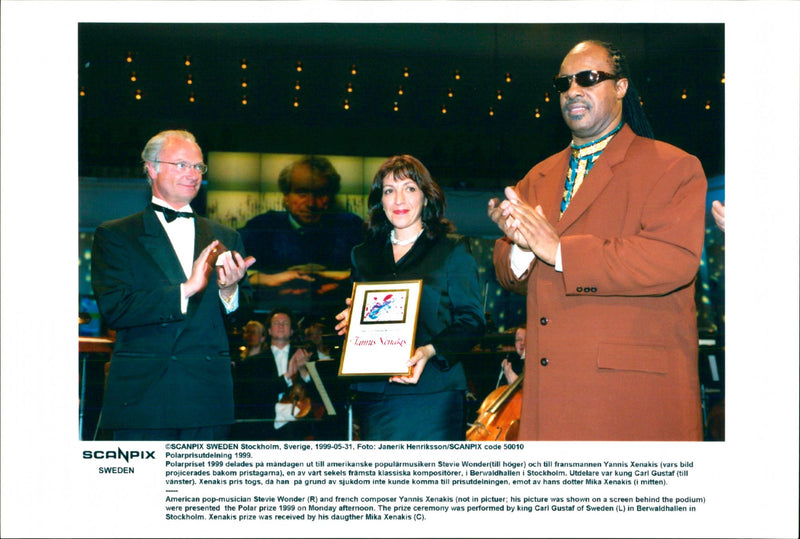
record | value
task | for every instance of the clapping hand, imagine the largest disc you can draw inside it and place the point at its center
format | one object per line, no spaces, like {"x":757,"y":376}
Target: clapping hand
{"x":231,"y":268}
{"x":525,"y":225}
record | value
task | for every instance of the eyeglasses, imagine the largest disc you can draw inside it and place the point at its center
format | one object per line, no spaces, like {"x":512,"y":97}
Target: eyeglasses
{"x":585,"y":79}
{"x":202,"y":168}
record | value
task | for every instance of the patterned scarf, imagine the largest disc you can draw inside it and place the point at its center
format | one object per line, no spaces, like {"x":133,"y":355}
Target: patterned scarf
{"x":581,"y":160}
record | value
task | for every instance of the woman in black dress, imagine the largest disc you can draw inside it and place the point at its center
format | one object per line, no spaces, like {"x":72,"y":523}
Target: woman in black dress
{"x":409,"y":238}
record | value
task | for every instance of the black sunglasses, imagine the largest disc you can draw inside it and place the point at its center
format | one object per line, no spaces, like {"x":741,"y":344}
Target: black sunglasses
{"x":584,"y":79}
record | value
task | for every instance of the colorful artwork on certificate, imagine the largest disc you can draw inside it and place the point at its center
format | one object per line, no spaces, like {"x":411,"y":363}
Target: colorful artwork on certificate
{"x":384,"y":306}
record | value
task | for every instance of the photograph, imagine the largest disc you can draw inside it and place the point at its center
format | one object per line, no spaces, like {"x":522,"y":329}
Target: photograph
{"x":344,"y":265}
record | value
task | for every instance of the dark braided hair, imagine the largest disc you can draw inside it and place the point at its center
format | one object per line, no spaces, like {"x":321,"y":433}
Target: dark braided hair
{"x":632,"y":112}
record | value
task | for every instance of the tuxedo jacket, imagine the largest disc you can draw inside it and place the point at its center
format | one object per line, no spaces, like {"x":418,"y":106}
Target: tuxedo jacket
{"x":450,"y":312}
{"x":169,"y":369}
{"x":257,"y":388}
{"x":258,"y":385}
{"x":612,"y":340}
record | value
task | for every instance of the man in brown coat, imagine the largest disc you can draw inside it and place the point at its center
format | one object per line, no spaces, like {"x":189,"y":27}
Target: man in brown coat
{"x":605,"y":240}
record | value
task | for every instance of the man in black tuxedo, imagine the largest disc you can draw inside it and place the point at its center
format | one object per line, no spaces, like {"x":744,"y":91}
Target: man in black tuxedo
{"x":261,"y":380}
{"x":164,"y":281}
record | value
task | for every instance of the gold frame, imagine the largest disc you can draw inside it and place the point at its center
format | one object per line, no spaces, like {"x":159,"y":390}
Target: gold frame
{"x":381,"y":329}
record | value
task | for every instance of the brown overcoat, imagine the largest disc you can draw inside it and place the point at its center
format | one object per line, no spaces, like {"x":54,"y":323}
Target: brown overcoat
{"x":612,"y":340}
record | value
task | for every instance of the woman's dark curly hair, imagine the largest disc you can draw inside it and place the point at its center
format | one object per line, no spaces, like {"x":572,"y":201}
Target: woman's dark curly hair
{"x":402,"y":167}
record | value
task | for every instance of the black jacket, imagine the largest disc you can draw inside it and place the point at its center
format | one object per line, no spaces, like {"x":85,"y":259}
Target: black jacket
{"x":169,"y":370}
{"x":450,"y":314}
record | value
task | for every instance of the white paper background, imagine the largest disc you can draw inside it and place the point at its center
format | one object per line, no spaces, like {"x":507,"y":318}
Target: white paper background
{"x":48,"y":490}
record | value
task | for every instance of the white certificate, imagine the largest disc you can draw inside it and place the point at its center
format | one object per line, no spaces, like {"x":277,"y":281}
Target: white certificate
{"x":381,"y":329}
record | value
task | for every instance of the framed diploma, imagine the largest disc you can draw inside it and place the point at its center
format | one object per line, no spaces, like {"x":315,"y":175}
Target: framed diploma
{"x":381,"y":329}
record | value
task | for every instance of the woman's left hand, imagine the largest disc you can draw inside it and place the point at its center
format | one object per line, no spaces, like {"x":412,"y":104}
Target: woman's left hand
{"x":417,"y":363}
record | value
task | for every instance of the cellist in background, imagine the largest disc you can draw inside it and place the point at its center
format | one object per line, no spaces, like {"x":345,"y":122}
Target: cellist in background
{"x":514,"y":362}
{"x":261,"y":382}
{"x":499,"y":413}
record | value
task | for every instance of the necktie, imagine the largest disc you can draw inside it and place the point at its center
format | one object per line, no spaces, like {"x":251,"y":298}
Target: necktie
{"x":581,"y":160}
{"x":170,"y":214}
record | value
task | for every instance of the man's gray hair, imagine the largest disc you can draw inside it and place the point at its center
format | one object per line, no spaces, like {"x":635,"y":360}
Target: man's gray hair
{"x":152,"y":150}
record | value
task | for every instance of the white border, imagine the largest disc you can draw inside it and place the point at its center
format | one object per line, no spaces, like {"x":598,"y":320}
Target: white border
{"x":46,"y":491}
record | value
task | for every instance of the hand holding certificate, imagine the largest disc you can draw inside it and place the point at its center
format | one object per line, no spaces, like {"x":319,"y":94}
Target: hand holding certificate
{"x":380,"y":327}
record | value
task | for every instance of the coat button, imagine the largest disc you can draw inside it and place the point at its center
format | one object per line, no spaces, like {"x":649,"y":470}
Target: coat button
{"x":544,"y":362}
{"x":579,"y":289}
{"x":594,"y":289}
{"x":543,"y":321}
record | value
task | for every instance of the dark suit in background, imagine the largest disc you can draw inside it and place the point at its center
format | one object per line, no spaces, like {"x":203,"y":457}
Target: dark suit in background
{"x":333,"y":427}
{"x":257,"y":388}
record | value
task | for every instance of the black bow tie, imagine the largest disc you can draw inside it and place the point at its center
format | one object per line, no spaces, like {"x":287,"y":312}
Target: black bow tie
{"x":170,"y":214}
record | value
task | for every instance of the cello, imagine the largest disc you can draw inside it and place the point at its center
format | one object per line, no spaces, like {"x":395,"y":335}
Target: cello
{"x":498,"y":415}
{"x":298,"y":398}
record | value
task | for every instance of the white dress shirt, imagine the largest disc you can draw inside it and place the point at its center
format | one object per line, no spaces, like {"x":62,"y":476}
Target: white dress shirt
{"x":181,"y":235}
{"x":521,"y":260}
{"x":281,"y":356}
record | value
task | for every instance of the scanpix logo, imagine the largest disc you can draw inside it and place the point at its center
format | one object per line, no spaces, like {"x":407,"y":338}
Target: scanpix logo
{"x":119,"y":454}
